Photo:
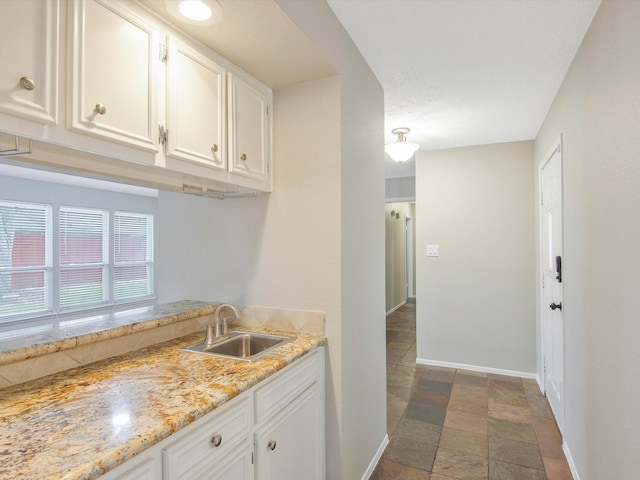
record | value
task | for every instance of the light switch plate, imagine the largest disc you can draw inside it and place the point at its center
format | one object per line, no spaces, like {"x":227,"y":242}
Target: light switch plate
{"x":432,"y":251}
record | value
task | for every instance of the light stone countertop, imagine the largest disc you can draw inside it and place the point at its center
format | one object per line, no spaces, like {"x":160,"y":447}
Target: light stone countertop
{"x":61,"y":426}
{"x":55,"y":336}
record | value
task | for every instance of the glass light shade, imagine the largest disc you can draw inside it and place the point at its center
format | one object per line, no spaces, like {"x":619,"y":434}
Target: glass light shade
{"x":401,"y":151}
{"x":195,"y":10}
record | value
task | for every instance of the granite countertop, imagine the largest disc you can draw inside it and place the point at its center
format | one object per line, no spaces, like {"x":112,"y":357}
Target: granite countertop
{"x":24,"y":343}
{"x":81,"y":423}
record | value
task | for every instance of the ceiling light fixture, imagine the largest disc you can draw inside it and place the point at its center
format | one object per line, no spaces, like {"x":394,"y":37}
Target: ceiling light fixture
{"x":401,"y":151}
{"x":195,"y":12}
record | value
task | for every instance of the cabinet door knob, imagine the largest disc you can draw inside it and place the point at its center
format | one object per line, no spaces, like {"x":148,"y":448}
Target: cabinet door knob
{"x":214,"y":148}
{"x":100,"y":109}
{"x":243,"y":157}
{"x":272,"y":445}
{"x":216,"y":440}
{"x":27,"y":83}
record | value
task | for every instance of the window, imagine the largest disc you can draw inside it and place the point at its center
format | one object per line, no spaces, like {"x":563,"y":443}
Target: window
{"x":25,"y":258}
{"x":84,"y":257}
{"x":56,"y":259}
{"x":133,"y":255}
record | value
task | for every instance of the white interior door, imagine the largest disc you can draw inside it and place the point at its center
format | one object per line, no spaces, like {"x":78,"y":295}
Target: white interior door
{"x":551,"y":268}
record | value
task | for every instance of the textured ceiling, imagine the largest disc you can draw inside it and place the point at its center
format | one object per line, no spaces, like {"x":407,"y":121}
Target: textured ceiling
{"x":457,"y":72}
{"x":466,"y":72}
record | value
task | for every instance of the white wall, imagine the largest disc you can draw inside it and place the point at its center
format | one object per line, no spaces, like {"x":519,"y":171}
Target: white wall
{"x":400,"y":189}
{"x":361,"y":392}
{"x":476,"y":301}
{"x":596,"y":110}
{"x":316,"y":242}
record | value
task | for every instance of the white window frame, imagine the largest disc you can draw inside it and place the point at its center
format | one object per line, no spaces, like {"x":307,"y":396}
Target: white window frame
{"x":18,"y":190}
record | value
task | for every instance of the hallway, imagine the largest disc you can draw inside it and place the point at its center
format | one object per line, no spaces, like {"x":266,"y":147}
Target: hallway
{"x":446,"y":424}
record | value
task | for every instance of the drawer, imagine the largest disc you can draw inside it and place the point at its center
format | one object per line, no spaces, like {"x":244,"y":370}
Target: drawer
{"x":219,"y":432}
{"x":280,"y":391}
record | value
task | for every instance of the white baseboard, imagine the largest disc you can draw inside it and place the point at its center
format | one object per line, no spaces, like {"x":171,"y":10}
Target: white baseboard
{"x":376,"y":458}
{"x":572,"y":464}
{"x":475,"y":368}
{"x":396,"y":307}
{"x":540,"y":383}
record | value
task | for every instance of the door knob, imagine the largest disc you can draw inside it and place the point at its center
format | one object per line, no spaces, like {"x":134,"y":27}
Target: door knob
{"x":558,"y":305}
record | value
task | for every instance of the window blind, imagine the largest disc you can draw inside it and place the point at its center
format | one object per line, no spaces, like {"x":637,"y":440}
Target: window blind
{"x":58,"y":259}
{"x":25,"y":258}
{"x":84,"y":257}
{"x":133,"y":255}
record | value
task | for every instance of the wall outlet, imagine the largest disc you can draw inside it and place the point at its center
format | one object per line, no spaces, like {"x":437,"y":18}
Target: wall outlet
{"x":432,"y":251}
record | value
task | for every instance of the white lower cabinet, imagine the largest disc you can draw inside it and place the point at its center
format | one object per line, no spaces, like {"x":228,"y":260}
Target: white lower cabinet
{"x":289,"y":446}
{"x":272,"y":431}
{"x":199,"y":450}
{"x":146,"y":466}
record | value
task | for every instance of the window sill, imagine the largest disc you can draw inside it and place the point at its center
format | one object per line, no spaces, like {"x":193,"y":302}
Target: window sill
{"x":47,"y":339}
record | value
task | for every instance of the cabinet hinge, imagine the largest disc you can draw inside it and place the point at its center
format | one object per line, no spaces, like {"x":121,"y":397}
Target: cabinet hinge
{"x":251,"y":458}
{"x":267,"y":109}
{"x":541,"y":198}
{"x":163,"y":52}
{"x":163,"y":135}
{"x":543,"y":280}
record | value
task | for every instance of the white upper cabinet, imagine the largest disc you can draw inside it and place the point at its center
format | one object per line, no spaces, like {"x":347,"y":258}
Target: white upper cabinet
{"x":195,"y":107}
{"x":29,"y":53}
{"x":249,"y":130}
{"x":144,"y":102}
{"x":113,"y":74}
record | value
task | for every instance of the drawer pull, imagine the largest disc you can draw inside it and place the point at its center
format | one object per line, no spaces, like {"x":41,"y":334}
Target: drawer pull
{"x":100,"y":109}
{"x":243,"y":157}
{"x":216,"y":440}
{"x":214,"y":148}
{"x":272,"y":445}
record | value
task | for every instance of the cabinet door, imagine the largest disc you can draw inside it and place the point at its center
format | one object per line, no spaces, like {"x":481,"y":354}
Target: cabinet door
{"x":145,"y":467}
{"x":195,"y":107}
{"x":236,"y":465}
{"x":114,"y":63}
{"x":291,"y":446}
{"x":29,"y":59}
{"x":249,"y":130}
{"x":198,"y":451}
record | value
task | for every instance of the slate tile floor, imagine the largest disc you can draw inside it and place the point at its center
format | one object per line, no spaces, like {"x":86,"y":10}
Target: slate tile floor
{"x":447,"y":424}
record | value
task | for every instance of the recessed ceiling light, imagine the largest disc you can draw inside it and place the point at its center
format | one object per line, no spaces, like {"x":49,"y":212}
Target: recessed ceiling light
{"x":195,"y":12}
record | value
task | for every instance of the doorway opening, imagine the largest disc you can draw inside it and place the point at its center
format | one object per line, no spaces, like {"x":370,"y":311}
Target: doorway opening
{"x":399,"y":254}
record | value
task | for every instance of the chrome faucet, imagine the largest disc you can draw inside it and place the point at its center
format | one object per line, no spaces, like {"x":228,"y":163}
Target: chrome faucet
{"x":218,"y":327}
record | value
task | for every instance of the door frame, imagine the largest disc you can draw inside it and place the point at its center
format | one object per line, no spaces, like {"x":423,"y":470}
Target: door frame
{"x":408,"y":229}
{"x":544,"y":347}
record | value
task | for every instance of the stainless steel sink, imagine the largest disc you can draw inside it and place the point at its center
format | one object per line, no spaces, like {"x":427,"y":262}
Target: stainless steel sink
{"x":240,"y":345}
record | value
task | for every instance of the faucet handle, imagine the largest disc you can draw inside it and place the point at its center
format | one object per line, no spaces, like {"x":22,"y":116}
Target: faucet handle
{"x":212,"y":333}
